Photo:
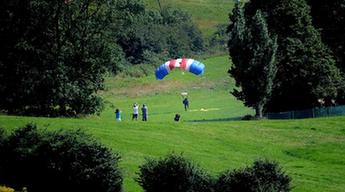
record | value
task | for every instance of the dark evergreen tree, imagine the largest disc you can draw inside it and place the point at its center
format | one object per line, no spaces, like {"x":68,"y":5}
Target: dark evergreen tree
{"x":253,"y":52}
{"x":306,"y":68}
{"x":329,"y":18}
{"x":54,"y":55}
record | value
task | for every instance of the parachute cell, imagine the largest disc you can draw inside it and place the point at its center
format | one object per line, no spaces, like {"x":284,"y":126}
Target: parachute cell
{"x":161,"y":72}
{"x":190,"y":65}
{"x":197,"y":68}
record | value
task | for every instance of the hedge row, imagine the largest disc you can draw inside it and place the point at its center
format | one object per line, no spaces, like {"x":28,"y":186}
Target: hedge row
{"x":175,"y":173}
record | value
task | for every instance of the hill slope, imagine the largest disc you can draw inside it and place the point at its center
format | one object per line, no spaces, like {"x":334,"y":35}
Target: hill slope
{"x":209,"y":94}
{"x":206,"y":13}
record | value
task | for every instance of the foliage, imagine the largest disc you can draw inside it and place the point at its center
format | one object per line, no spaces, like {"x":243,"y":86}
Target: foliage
{"x":6,"y":189}
{"x":169,"y":32}
{"x":262,"y":176}
{"x":172,"y":173}
{"x":54,"y":56}
{"x":56,"y":161}
{"x":253,"y":52}
{"x":306,"y":68}
{"x":329,"y":18}
{"x":219,"y":38}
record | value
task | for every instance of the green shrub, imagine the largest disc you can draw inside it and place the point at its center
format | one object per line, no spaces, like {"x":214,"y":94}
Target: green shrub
{"x":57,"y":161}
{"x":262,"y":176}
{"x":173,"y":173}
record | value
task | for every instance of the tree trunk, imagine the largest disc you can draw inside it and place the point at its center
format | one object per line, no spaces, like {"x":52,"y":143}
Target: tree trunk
{"x":258,"y":111}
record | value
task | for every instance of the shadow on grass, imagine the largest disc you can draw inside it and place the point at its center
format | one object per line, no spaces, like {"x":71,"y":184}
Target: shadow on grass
{"x":220,"y":119}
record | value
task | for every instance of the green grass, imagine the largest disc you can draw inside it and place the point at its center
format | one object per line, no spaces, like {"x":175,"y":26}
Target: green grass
{"x":206,"y":13}
{"x":311,"y":151}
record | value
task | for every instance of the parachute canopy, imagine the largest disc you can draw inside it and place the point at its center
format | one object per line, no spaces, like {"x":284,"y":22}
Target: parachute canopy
{"x":190,"y":65}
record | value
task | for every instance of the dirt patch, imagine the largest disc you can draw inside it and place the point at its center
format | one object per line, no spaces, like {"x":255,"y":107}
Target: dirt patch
{"x":157,"y":87}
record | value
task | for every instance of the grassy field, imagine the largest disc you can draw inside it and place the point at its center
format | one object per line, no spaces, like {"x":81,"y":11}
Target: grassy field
{"x":206,"y":13}
{"x":311,"y":151}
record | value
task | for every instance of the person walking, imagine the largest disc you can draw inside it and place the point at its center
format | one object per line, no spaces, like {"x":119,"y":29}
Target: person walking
{"x":144,"y":112}
{"x":135,"y":112}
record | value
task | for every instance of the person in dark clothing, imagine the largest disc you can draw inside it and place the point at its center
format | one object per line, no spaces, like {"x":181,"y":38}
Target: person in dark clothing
{"x":144,"y":112}
{"x":185,"y":103}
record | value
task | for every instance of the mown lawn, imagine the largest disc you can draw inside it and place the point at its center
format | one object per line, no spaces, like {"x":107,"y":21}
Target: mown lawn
{"x":311,"y":151}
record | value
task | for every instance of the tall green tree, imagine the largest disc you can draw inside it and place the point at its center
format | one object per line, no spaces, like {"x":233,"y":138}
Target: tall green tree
{"x":329,"y":18}
{"x":54,"y":55}
{"x":253,"y":51}
{"x":306,"y":68}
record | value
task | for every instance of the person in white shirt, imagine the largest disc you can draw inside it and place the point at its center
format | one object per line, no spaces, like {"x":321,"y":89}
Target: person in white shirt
{"x":135,"y":112}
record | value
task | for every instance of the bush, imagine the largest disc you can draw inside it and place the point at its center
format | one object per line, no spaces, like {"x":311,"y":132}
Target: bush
{"x":171,"y":174}
{"x":6,"y":189}
{"x":57,"y":161}
{"x":262,"y":176}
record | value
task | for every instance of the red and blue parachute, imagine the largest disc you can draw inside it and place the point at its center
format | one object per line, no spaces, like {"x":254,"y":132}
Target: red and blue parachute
{"x":190,"y":65}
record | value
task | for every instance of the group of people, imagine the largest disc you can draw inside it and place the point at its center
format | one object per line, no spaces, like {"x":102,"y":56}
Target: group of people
{"x":144,"y":111}
{"x":135,"y":114}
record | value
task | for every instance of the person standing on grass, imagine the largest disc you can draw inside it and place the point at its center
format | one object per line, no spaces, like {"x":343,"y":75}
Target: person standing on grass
{"x":135,"y":112}
{"x":144,"y":112}
{"x":185,"y":103}
{"x":118,"y":115}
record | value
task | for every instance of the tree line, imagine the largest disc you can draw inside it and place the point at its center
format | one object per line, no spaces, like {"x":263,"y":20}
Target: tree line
{"x":287,"y":54}
{"x":54,"y":54}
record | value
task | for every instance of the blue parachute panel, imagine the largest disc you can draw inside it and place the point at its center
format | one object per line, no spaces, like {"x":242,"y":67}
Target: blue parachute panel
{"x":197,"y":68}
{"x":161,"y":72}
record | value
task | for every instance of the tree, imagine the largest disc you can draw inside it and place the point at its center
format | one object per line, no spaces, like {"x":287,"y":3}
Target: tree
{"x":329,"y":18}
{"x":253,"y":53}
{"x":171,"y":174}
{"x":220,"y":37}
{"x":169,"y":32}
{"x":54,"y":54}
{"x":57,"y":161}
{"x":306,"y":68}
{"x":262,"y":176}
